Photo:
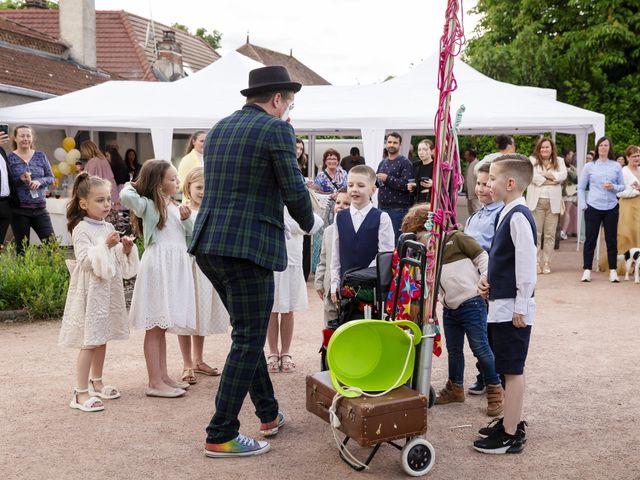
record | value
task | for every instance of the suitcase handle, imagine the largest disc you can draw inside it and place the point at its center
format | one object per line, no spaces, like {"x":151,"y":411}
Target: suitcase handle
{"x":350,"y":413}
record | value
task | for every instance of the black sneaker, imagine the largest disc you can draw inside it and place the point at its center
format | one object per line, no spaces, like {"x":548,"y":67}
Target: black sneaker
{"x":496,"y":424}
{"x":477,"y":388}
{"x":500,"y":442}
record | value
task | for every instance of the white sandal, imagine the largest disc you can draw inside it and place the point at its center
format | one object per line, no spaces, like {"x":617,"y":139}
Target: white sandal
{"x":108,"y":392}
{"x":89,"y":405}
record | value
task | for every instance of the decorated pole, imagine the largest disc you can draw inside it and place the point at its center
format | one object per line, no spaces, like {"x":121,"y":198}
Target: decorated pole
{"x":446,"y":182}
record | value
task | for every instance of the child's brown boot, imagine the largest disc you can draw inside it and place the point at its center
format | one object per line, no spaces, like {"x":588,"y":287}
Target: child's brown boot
{"x":495,"y":400}
{"x":452,"y":392}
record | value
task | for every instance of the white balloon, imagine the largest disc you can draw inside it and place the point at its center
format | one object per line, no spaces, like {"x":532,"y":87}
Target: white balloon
{"x":65,"y":168}
{"x":60,"y":154}
{"x":73,"y":156}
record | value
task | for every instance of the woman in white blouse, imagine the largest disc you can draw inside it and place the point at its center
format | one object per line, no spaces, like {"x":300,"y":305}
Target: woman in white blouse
{"x":629,"y":221}
{"x":544,"y":198}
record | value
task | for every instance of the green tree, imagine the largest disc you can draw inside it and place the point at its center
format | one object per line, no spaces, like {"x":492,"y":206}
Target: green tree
{"x":179,"y":26}
{"x":588,"y":50}
{"x":20,"y":4}
{"x":212,"y":38}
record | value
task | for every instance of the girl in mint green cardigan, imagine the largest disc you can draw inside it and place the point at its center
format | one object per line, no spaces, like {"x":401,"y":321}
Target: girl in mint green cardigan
{"x":164,"y":293}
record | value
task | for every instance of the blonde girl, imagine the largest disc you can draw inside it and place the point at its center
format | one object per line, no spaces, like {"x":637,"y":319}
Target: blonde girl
{"x":163,"y":297}
{"x":289,"y":295}
{"x":211,"y":315}
{"x":95,"y":311}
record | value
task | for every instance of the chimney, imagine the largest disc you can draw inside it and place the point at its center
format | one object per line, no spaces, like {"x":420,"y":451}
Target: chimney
{"x":78,"y":29}
{"x":37,"y":4}
{"x":169,"y":60}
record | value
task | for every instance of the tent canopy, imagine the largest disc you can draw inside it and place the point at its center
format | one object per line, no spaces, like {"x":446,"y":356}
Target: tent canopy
{"x":407,"y":103}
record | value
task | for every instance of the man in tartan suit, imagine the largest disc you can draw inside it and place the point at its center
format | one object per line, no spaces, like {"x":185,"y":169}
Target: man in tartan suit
{"x":251,"y":173}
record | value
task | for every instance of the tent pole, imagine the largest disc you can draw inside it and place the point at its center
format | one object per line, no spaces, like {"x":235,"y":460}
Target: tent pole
{"x":312,"y":155}
{"x":581,"y":154}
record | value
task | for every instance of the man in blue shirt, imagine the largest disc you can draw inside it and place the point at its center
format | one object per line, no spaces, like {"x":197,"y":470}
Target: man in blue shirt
{"x":394,"y":173}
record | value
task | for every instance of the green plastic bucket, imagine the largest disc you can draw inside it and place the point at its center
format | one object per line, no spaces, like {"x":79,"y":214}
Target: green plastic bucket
{"x":371,"y":354}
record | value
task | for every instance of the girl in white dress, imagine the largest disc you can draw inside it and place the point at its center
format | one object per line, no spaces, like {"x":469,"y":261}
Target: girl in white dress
{"x":163,"y":297}
{"x":289,"y":295}
{"x":211,"y":314}
{"x":95,"y":311}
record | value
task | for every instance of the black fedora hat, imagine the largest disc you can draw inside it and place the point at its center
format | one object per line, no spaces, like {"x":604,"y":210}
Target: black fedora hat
{"x":269,"y":79}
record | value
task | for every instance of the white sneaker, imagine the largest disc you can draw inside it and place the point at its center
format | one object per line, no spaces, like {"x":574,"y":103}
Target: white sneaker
{"x":613,"y":276}
{"x":563,"y":235}
{"x":586,"y":276}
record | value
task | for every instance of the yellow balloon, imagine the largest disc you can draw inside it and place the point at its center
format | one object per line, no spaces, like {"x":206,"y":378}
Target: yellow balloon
{"x":68,"y":143}
{"x":56,"y":171}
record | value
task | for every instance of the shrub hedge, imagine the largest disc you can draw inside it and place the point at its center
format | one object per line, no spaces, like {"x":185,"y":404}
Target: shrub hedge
{"x":37,"y":281}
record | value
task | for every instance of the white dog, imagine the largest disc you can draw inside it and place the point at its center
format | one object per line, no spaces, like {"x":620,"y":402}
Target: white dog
{"x":632,"y":256}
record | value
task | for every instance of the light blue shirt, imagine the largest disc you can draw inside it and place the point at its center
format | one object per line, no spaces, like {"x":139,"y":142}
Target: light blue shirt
{"x":595,"y":174}
{"x":482,"y":224}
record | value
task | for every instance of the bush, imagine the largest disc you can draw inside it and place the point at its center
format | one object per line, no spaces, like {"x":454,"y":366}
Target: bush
{"x":37,"y":281}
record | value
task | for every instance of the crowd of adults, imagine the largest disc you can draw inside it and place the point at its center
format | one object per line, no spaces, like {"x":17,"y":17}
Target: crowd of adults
{"x":608,"y":193}
{"x":26,"y":177}
{"x":608,"y":190}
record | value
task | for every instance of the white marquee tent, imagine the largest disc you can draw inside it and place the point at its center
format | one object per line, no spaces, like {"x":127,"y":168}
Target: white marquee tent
{"x":407,"y":104}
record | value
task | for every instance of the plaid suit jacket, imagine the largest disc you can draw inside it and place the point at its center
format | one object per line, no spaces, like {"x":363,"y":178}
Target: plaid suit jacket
{"x":250,"y":173}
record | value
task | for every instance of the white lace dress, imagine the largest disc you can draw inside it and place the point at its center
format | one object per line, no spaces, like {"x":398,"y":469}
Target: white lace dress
{"x":290,"y":289}
{"x":211,"y":315}
{"x":95,"y":311}
{"x":164,"y":292}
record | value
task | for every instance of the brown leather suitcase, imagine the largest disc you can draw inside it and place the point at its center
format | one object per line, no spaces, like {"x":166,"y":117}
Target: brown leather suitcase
{"x":399,"y":414}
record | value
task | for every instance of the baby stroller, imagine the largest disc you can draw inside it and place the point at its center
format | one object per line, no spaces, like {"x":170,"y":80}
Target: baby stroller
{"x":362,"y":294}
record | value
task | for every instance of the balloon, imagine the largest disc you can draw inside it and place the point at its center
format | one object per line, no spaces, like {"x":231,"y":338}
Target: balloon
{"x":56,"y":171}
{"x":64,"y":168}
{"x":73,"y":156}
{"x":68,"y":143}
{"x":60,"y":154}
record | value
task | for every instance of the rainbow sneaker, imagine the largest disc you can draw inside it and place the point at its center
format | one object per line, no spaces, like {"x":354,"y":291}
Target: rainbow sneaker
{"x":272,"y":428}
{"x":240,"y":446}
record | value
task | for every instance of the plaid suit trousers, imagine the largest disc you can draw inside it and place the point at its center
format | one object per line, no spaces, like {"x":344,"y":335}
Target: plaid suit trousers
{"x":246,"y":289}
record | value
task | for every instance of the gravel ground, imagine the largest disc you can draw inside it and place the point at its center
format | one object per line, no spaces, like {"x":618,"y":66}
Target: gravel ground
{"x":582,"y":404}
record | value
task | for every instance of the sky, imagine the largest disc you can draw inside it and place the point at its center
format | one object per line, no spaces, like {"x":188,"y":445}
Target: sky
{"x":345,"y":41}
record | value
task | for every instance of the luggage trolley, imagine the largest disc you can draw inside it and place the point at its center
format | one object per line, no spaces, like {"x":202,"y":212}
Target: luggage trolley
{"x":363,"y":418}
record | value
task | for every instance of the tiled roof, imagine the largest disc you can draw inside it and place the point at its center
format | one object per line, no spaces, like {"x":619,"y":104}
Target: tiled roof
{"x":299,"y":72}
{"x":196,"y":53}
{"x":17,"y":34}
{"x":121,"y":41}
{"x":24,"y":69}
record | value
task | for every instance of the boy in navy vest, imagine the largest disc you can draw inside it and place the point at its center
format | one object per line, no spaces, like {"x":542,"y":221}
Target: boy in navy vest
{"x":361,"y":231}
{"x":509,"y":286}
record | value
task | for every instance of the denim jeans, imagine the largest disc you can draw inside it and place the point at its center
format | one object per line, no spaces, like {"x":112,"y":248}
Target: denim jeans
{"x":469,"y":318}
{"x":396,"y":215}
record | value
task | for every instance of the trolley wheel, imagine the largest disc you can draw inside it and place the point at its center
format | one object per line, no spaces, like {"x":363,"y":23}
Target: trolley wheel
{"x":432,"y":396}
{"x":418,"y":457}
